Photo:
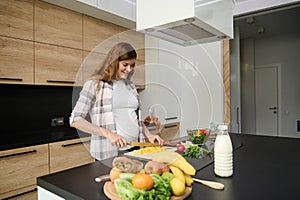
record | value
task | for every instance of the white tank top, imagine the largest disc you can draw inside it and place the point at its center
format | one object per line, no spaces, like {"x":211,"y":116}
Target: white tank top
{"x":124,"y":105}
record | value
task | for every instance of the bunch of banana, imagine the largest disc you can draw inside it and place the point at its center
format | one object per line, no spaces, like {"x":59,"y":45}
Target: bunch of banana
{"x":177,"y":160}
{"x":178,"y":173}
{"x":180,"y":181}
{"x":180,"y":168}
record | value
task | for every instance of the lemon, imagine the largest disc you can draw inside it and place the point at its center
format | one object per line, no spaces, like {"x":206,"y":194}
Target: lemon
{"x":178,"y":186}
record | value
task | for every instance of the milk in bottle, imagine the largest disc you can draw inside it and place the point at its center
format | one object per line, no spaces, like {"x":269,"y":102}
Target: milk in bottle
{"x":223,"y":162}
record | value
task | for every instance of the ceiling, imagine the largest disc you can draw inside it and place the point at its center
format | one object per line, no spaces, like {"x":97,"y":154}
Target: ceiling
{"x":269,"y":22}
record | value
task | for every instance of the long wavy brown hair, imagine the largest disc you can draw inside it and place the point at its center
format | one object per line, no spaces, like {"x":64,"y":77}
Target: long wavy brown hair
{"x":108,"y":68}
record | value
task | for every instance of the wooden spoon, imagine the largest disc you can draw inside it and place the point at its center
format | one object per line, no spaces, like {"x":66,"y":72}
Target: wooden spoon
{"x":212,"y":184}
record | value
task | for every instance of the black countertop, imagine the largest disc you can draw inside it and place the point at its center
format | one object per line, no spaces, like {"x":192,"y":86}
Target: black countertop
{"x":264,"y":168}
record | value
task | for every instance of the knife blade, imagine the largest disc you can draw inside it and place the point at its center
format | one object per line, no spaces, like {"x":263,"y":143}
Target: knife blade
{"x":172,"y":143}
{"x":145,"y":144}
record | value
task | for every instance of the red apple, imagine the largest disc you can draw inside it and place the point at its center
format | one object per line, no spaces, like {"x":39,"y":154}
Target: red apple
{"x":180,"y":147}
{"x":154,"y":167}
{"x":166,"y":168}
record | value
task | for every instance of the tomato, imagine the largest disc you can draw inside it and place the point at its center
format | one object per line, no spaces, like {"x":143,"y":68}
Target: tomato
{"x":206,"y":132}
{"x":180,"y":147}
{"x":142,"y":181}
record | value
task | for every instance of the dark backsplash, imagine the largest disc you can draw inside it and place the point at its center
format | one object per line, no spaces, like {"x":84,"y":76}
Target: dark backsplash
{"x":28,"y":110}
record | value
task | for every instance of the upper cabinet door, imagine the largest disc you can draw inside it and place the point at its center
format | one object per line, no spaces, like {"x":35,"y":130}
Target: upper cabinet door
{"x":58,"y":26}
{"x":16,"y":19}
{"x":99,"y":36}
{"x":16,"y":61}
{"x":136,"y":39}
{"x":122,"y":8}
{"x":93,"y":3}
{"x":91,"y":62}
{"x":57,"y":65}
{"x":138,"y":77}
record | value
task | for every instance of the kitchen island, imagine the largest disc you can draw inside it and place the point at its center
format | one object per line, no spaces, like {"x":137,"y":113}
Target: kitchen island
{"x":264,"y":168}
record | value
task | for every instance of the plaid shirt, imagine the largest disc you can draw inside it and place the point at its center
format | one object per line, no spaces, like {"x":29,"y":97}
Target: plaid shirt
{"x":97,"y":101}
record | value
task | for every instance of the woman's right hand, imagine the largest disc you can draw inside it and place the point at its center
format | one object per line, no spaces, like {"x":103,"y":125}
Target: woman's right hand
{"x":117,"y":140}
{"x":88,"y":127}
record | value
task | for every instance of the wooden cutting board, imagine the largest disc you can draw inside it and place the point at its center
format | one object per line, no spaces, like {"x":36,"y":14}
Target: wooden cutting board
{"x":148,"y":156}
{"x":110,"y":192}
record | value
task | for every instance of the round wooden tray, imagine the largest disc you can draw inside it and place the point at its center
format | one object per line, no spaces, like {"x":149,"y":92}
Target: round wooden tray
{"x":110,"y":192}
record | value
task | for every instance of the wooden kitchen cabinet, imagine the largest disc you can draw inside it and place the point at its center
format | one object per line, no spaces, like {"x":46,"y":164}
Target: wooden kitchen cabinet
{"x":57,"y":25}
{"x":70,"y":153}
{"x":138,"y":77}
{"x":44,"y":44}
{"x":16,"y":61}
{"x":56,"y":65}
{"x":16,"y":19}
{"x":32,"y":195}
{"x":90,"y":63}
{"x":99,"y":36}
{"x":91,"y":60}
{"x":19,"y":169}
{"x":170,"y":131}
{"x":136,"y":39}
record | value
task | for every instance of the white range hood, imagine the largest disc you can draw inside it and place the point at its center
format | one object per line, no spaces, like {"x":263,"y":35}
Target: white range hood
{"x":186,"y":22}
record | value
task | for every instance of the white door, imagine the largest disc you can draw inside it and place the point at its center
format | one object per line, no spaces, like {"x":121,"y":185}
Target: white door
{"x":266,"y":89}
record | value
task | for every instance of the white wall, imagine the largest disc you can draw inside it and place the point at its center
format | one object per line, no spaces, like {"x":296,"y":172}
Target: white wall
{"x":283,"y":50}
{"x":185,"y":82}
{"x":248,"y":6}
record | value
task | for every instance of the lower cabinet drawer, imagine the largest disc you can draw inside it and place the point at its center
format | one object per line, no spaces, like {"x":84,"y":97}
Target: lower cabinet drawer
{"x":69,"y":154}
{"x":27,"y":193}
{"x":170,"y":131}
{"x":20,"y":167}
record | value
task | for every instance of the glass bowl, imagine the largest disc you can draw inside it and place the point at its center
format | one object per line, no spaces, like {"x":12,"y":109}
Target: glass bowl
{"x":198,"y":136}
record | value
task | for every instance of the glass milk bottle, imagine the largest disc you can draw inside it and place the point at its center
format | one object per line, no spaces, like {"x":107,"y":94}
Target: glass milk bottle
{"x":223,"y":162}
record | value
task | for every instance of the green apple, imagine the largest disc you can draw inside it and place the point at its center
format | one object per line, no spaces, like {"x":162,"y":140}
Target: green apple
{"x":167,"y":176}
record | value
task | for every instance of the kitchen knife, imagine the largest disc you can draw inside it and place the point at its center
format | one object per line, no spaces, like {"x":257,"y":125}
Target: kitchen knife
{"x":102,"y":178}
{"x":172,"y":143}
{"x":143,"y":144}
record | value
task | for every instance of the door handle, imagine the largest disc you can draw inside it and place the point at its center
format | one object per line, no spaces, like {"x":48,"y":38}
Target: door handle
{"x":273,"y":108}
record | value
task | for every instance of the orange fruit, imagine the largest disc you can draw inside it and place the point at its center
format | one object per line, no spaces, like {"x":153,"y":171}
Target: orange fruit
{"x":142,"y":181}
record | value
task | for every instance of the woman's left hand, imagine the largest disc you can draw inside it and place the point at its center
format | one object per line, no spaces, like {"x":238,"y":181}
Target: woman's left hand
{"x":156,"y":138}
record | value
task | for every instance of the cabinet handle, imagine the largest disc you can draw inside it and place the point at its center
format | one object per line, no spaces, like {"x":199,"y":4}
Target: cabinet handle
{"x":170,"y":126}
{"x":23,"y":193}
{"x":11,"y":79}
{"x":75,"y":143}
{"x":64,"y":82}
{"x":17,"y":154}
{"x":169,"y":118}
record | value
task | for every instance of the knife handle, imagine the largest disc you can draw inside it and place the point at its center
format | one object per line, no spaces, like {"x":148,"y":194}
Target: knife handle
{"x":102,"y":178}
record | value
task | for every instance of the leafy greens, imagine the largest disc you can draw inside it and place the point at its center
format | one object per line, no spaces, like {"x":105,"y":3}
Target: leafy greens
{"x":161,"y":189}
